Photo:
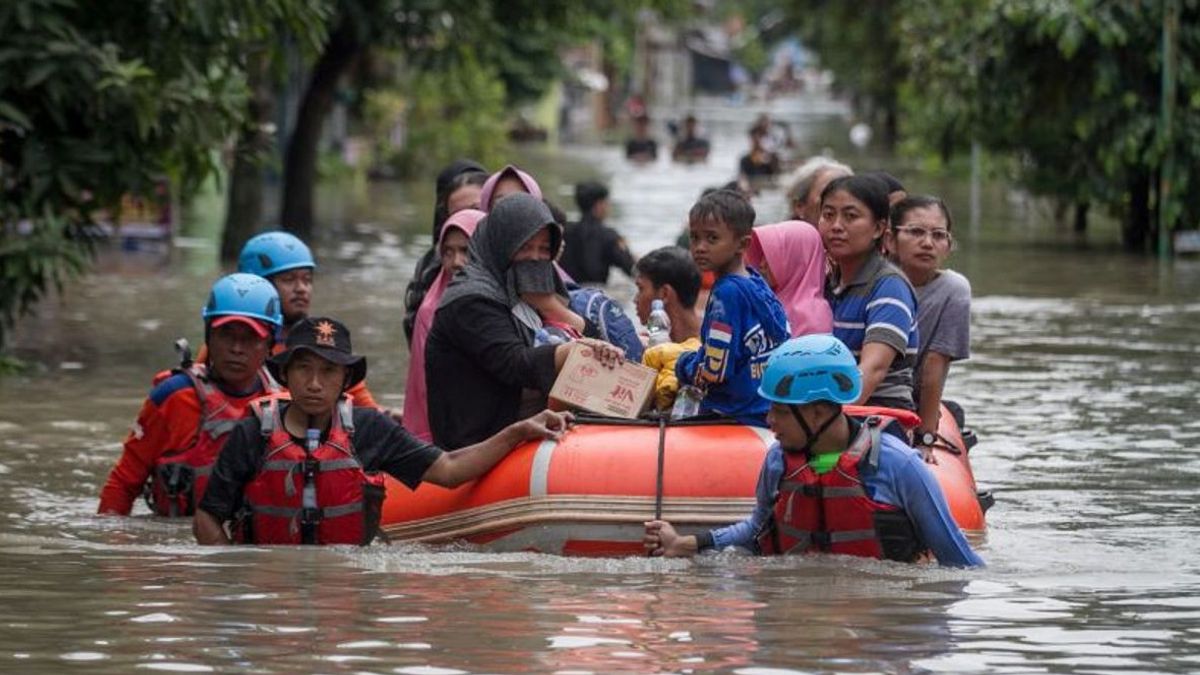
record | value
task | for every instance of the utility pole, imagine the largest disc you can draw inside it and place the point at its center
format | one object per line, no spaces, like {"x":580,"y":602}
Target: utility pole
{"x":1170,"y":55}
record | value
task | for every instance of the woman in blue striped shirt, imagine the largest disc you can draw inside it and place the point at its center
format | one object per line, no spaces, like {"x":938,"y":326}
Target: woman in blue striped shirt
{"x":874,"y":306}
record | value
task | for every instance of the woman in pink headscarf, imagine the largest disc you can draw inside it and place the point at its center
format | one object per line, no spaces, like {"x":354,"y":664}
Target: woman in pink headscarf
{"x":452,"y":246}
{"x":504,"y":182}
{"x":791,"y":258}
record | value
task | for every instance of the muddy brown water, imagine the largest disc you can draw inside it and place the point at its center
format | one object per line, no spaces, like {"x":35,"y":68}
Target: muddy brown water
{"x":1082,"y":387}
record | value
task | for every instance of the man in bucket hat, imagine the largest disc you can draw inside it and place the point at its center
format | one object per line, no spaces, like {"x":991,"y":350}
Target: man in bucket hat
{"x":307,"y":471}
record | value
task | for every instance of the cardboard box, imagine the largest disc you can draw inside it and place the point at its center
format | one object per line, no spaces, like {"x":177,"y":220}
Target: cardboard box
{"x":585,"y":384}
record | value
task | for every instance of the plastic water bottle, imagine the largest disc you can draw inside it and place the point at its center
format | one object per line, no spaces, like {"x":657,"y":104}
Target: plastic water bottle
{"x":687,"y":402}
{"x":312,"y":441}
{"x":659,"y":324}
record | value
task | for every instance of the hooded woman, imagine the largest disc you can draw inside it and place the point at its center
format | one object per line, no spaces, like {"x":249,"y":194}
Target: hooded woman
{"x":791,"y":259}
{"x":459,"y":186}
{"x":452,"y":248}
{"x":507,"y":181}
{"x":483,"y":368}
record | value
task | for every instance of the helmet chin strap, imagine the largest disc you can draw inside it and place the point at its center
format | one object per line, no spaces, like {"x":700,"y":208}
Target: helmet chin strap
{"x":810,"y":435}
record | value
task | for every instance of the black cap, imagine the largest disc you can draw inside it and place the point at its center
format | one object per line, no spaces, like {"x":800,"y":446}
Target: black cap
{"x":325,"y":337}
{"x":588,"y":194}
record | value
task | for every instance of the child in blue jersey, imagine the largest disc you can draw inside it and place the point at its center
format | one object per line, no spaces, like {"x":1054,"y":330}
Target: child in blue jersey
{"x":743,"y":320}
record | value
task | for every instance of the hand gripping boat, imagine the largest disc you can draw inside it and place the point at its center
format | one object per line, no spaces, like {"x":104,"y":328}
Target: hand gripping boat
{"x":589,"y":493}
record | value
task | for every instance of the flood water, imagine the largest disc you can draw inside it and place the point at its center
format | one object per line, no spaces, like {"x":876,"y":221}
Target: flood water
{"x":1082,"y":387}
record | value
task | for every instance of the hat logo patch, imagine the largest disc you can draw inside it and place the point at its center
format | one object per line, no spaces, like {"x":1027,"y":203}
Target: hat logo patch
{"x":325,"y":333}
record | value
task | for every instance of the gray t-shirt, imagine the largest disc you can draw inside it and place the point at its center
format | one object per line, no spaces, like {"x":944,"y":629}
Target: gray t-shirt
{"x":943,"y":319}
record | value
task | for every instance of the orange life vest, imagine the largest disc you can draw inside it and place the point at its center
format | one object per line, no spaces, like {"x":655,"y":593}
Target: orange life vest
{"x":349,"y":501}
{"x":180,"y":476}
{"x":832,"y":513}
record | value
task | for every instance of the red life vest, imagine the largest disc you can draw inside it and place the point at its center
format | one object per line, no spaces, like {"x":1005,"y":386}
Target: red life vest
{"x":180,"y":476}
{"x":832,"y":513}
{"x":349,"y":501}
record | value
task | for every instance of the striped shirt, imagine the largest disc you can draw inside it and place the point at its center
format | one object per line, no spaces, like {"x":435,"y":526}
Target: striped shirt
{"x":879,"y":305}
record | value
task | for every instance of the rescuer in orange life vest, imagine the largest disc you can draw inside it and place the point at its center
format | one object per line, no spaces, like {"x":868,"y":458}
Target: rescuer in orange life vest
{"x":187,"y":417}
{"x":832,"y":483}
{"x":306,"y":471}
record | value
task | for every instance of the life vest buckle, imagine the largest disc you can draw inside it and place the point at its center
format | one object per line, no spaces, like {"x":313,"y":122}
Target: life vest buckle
{"x":820,"y":540}
{"x":310,"y":516}
{"x":311,"y":467}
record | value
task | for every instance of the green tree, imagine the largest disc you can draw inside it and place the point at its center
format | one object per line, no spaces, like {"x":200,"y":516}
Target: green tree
{"x":99,"y":100}
{"x":1071,"y":90}
{"x":517,"y":40}
{"x":860,"y":43}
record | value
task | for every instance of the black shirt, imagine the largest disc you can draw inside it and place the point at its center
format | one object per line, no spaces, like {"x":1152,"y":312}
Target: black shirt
{"x":380,"y":443}
{"x":477,"y":362}
{"x":643,"y":148}
{"x":591,"y":248}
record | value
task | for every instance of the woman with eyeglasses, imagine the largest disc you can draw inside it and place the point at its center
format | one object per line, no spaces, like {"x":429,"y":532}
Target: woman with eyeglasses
{"x":919,"y":242}
{"x":874,"y":306}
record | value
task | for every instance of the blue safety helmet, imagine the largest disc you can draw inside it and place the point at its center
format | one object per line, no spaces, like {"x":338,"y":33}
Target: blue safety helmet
{"x":274,"y":252}
{"x":811,"y":368}
{"x":246,"y":295}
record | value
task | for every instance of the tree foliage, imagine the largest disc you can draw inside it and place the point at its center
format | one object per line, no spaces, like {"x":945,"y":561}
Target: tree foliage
{"x":1071,"y":90}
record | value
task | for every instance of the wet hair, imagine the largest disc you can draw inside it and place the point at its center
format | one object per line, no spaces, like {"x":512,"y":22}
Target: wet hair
{"x":588,"y":194}
{"x":807,"y":174}
{"x":672,"y":265}
{"x":728,"y":207}
{"x":893,"y":184}
{"x":867,"y":189}
{"x":441,"y":209}
{"x":907,"y":204}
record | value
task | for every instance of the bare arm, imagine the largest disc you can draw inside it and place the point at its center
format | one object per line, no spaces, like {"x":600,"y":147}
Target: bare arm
{"x":551,"y":307}
{"x":208,"y":529}
{"x":466,"y":464}
{"x":876,"y":358}
{"x":933,"y":380}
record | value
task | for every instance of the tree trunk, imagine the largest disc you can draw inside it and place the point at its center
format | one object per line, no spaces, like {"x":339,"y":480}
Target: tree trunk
{"x":245,"y":209}
{"x":1081,"y":216}
{"x":300,"y":160}
{"x":1136,"y":228}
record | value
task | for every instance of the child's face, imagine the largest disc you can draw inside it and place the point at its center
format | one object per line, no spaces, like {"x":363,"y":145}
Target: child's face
{"x":715,"y":247}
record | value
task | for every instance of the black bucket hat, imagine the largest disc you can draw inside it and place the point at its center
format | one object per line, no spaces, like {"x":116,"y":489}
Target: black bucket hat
{"x":325,"y":337}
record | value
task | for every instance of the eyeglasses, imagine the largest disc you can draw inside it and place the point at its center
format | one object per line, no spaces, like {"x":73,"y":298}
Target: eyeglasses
{"x":917,"y":232}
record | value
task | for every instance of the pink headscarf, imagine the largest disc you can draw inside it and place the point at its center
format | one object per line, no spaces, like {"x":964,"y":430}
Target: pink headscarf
{"x":416,"y":396}
{"x":489,"y":186}
{"x":796,"y":256}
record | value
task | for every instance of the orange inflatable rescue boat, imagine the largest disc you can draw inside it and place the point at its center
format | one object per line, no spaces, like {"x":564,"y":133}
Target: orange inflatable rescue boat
{"x":589,"y":493}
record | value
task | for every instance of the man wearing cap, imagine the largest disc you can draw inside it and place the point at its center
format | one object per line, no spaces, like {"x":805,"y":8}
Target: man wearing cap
{"x":590,"y":247}
{"x":307,"y":471}
{"x":188,"y":414}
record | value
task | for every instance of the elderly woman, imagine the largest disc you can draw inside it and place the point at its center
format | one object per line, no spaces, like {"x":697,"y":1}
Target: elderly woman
{"x":874,"y":307}
{"x":483,"y":366}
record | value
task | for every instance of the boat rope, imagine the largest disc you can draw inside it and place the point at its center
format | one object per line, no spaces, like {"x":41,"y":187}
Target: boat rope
{"x":662,"y":447}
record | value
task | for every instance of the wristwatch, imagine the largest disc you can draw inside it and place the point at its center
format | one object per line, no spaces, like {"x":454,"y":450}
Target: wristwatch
{"x":926,"y":438}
